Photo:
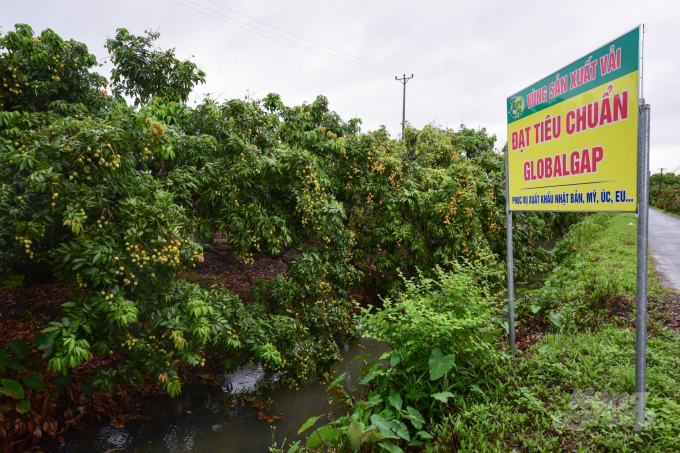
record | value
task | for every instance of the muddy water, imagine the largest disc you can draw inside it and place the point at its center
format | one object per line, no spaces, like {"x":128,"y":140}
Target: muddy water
{"x":520,"y":286}
{"x":199,"y":420}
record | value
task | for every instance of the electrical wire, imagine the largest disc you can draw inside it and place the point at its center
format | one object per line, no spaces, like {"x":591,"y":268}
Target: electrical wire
{"x":448,"y":98}
{"x":444,"y":101}
{"x":426,"y":85}
{"x":274,"y":37}
{"x":449,"y":105}
{"x":434,"y":93}
{"x":305,"y":39}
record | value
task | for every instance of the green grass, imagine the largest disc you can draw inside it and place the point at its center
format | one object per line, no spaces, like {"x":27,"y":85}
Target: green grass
{"x":677,"y":216}
{"x":616,"y":246}
{"x":523,"y":403}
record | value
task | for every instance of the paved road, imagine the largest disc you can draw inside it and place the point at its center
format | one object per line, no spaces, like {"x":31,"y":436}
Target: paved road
{"x":664,"y":244}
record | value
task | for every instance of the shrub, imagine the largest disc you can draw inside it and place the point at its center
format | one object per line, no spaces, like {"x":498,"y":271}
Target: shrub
{"x":441,"y":330}
{"x":667,"y":199}
{"x":452,"y":312}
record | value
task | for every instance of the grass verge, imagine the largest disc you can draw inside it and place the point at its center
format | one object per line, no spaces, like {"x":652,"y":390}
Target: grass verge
{"x":571,"y":389}
{"x":673,"y":214}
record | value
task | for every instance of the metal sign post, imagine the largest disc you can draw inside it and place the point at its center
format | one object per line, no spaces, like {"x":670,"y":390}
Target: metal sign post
{"x":642,"y":258}
{"x":511,"y":275}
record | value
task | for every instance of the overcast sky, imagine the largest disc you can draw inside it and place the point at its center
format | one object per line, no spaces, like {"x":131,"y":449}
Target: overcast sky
{"x":474,"y":53}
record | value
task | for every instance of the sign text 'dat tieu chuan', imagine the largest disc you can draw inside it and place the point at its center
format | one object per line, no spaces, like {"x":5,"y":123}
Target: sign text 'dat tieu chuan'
{"x":572,"y":137}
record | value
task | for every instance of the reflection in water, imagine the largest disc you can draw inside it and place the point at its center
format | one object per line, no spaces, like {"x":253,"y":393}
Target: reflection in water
{"x":521,"y":286}
{"x":212,"y":426}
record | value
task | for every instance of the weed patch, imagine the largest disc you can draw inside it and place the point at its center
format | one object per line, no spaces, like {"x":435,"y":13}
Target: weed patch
{"x":570,"y":390}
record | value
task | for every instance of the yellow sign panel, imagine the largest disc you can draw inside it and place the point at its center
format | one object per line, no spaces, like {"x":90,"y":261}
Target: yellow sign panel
{"x":572,"y":138}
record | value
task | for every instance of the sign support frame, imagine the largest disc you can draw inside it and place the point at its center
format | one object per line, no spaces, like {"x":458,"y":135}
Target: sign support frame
{"x":642,"y":268}
{"x":511,"y":272}
{"x":643,"y":154}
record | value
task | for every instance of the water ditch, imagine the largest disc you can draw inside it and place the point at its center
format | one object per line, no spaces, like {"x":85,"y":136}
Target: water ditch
{"x":201,"y":420}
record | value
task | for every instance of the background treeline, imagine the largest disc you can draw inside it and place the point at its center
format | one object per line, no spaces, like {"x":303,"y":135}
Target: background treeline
{"x":667,"y":194}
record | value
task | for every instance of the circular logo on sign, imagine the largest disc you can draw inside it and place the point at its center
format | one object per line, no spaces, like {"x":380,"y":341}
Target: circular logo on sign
{"x":516,"y":106}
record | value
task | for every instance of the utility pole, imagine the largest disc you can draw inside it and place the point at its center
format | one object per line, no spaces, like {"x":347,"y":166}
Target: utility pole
{"x":403,"y":116}
{"x":661,"y":180}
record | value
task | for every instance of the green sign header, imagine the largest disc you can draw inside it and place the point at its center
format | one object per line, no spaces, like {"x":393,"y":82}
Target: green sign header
{"x":609,"y":62}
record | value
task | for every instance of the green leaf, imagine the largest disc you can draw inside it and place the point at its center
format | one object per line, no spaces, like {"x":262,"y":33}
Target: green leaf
{"x":395,"y":401}
{"x":395,"y":358}
{"x":62,"y":382}
{"x":323,"y":434}
{"x":24,"y":406}
{"x":443,"y":396}
{"x":375,"y":399}
{"x":34,"y":381}
{"x":87,"y":389}
{"x":425,"y":435}
{"x":391,"y":448}
{"x":354,"y":432}
{"x":3,"y":357}
{"x":12,"y":388}
{"x":556,"y":319}
{"x":385,"y":425}
{"x":372,"y":373}
{"x":361,"y":357}
{"x":16,"y":366}
{"x":390,"y":427}
{"x":386,"y":414}
{"x":20,"y":348}
{"x":403,"y":432}
{"x":38,"y":339}
{"x":373,"y":434}
{"x":475,"y":388}
{"x":416,"y":419}
{"x":545,"y":349}
{"x":336,"y":382}
{"x":365,"y":368}
{"x":440,"y":364}
{"x":309,"y":423}
{"x":293,"y":448}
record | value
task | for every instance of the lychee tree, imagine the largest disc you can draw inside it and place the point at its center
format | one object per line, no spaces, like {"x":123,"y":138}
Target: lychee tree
{"x":119,"y":200}
{"x":37,"y":70}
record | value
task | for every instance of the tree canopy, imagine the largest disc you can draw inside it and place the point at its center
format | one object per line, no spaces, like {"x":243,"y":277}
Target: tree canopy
{"x":119,"y":200}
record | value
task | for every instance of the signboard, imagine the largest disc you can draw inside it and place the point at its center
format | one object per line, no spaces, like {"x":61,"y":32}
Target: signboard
{"x":572,"y":137}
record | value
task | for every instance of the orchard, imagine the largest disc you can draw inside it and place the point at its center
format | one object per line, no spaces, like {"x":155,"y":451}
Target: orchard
{"x":119,"y":195}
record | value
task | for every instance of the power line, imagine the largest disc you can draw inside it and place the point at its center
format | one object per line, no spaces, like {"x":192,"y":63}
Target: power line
{"x":451,"y":106}
{"x":676,"y":168}
{"x":368,"y":66}
{"x":290,"y":41}
{"x":303,"y":38}
{"x":274,"y":37}
{"x":444,"y":95}
{"x":445,"y":101}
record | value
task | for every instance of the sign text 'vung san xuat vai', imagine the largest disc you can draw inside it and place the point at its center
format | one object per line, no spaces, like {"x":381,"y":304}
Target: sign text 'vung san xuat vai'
{"x":572,"y":137}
